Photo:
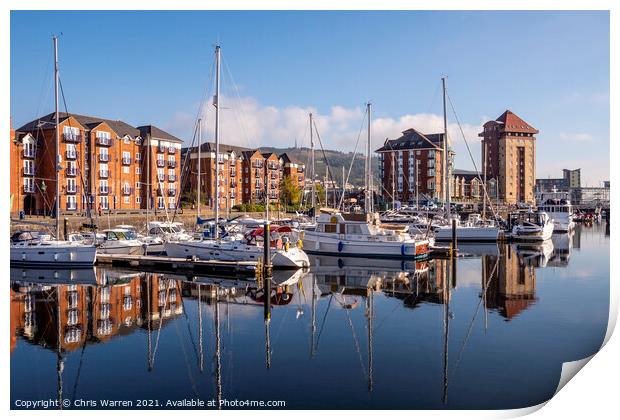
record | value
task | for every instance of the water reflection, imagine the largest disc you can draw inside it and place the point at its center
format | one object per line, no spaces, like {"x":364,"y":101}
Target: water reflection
{"x":67,"y":311}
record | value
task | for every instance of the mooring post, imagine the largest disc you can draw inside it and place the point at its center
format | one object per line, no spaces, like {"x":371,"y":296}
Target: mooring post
{"x":266,"y":250}
{"x":454,"y":244}
{"x":65,"y":228}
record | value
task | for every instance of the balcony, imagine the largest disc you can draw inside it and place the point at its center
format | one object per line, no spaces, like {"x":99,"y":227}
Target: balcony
{"x":104,"y":157}
{"x":71,"y":205}
{"x":126,"y":161}
{"x":233,"y":184}
{"x":172,"y":178}
{"x":71,"y":154}
{"x":257,"y":164}
{"x":28,"y":171}
{"x":28,"y":153}
{"x":161,"y":163}
{"x":103,"y":173}
{"x":71,"y":189}
{"x":126,"y":190}
{"x":273,"y":165}
{"x":104,"y":190}
{"x":172,"y":164}
{"x":28,"y":188}
{"x":161,"y":149}
{"x":161,"y":177}
{"x":274,"y":175}
{"x":172,"y":150}
{"x":159,"y":192}
{"x":70,"y":171}
{"x":72,"y":138}
{"x":104,"y":141}
{"x":172,"y":192}
{"x":300,"y":170}
{"x":171,"y":206}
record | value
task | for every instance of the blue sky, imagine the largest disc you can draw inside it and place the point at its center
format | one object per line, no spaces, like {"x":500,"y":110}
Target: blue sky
{"x":550,"y":68}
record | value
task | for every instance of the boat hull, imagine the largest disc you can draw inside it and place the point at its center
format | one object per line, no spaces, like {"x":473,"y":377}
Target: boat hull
{"x":211,"y":250}
{"x":398,"y":250}
{"x":53,"y":255}
{"x":468,"y":234}
{"x":533,"y":236}
{"x":122,"y":249}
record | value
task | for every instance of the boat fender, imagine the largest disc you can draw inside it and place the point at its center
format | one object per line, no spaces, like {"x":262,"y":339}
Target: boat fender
{"x":340,"y":263}
{"x":286,"y":246}
{"x":300,"y":244}
{"x":402,"y":249}
{"x":340,"y":246}
{"x":402,"y":265}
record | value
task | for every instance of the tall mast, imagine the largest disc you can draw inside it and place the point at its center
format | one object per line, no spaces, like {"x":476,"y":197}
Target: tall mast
{"x":484,"y":183}
{"x":393,"y":182}
{"x":58,"y":157}
{"x":216,"y":104}
{"x":368,"y":194}
{"x":313,"y":195}
{"x":199,"y":165}
{"x":446,"y":150}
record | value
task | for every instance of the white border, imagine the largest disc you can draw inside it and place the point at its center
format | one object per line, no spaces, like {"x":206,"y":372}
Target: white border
{"x":592,"y":395}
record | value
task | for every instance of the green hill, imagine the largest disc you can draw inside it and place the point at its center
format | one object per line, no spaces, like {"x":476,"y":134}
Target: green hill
{"x":336,"y":161}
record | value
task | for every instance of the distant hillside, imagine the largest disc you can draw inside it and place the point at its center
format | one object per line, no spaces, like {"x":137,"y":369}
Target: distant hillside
{"x":336,"y":161}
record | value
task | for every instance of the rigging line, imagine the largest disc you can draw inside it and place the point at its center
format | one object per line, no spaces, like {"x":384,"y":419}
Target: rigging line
{"x":236,"y":92}
{"x":355,"y":341}
{"x":329,"y":304}
{"x":471,"y":324}
{"x":484,"y":187}
{"x":185,"y":169}
{"x":189,"y":372}
{"x":327,"y":165}
{"x":191,"y":336}
{"x":359,"y":135}
{"x":161,"y":321}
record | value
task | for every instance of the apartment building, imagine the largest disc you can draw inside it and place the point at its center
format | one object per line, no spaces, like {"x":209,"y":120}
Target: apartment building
{"x":465,"y":185}
{"x":413,"y":162}
{"x":101,"y":165}
{"x":160,"y":164}
{"x":293,"y":169}
{"x":230,"y":166}
{"x":509,"y":155}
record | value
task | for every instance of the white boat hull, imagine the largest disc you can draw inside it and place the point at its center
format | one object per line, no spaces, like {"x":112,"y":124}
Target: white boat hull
{"x":53,"y":253}
{"x":321,"y":245}
{"x":223,"y":251}
{"x":468,"y":234}
{"x":122,"y":248}
{"x":539,"y":235}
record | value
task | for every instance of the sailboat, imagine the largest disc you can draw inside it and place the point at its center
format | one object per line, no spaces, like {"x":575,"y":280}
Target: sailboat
{"x":361,"y":235}
{"x":41,"y":251}
{"x":475,"y":229}
{"x":248,"y":248}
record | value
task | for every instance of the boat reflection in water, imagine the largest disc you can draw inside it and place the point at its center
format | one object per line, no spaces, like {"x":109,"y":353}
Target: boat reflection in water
{"x":372,"y":307}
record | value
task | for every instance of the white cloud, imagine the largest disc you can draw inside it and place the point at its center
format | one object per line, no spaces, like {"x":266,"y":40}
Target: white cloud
{"x":246,"y":122}
{"x":583,"y":137}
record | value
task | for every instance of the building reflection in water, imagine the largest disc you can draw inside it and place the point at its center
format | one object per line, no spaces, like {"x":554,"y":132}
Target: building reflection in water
{"x":102,"y":304}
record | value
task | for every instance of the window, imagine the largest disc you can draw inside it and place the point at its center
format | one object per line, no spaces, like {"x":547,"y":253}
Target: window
{"x":160,"y":202}
{"x":103,"y":202}
{"x":126,"y":140}
{"x":137,"y":185}
{"x":103,"y":186}
{"x":138,"y":200}
{"x":138,"y":170}
{"x":71,"y":131}
{"x":126,"y":199}
{"x":353,"y":229}
{"x":71,"y":151}
{"x":28,"y":185}
{"x":138,"y":157}
{"x":71,"y":202}
{"x":28,"y":149}
{"x":28,"y":167}
{"x":125,"y":169}
{"x":71,"y":186}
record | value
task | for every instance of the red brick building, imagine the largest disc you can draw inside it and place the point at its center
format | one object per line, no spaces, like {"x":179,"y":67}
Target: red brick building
{"x":411,"y":160}
{"x":294,"y":169}
{"x":101,"y":165}
{"x":509,"y":154}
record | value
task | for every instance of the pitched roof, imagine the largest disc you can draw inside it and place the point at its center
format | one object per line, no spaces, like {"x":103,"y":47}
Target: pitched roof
{"x":121,"y":128}
{"x":286,"y":158}
{"x":513,"y":123}
{"x":411,"y":139}
{"x":209,"y":147}
{"x":157,"y":133}
{"x":247,"y":154}
{"x":464,"y":173}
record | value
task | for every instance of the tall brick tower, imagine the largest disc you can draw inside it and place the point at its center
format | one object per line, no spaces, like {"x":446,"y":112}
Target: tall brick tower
{"x":509,"y":155}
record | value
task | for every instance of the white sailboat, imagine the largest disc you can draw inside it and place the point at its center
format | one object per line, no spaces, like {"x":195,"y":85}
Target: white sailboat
{"x":474,"y":230}
{"x":47,"y":252}
{"x":249,"y":248}
{"x":361,"y":235}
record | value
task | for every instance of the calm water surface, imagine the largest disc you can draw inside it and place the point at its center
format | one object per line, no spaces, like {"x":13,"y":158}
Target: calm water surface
{"x":355,"y":334}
